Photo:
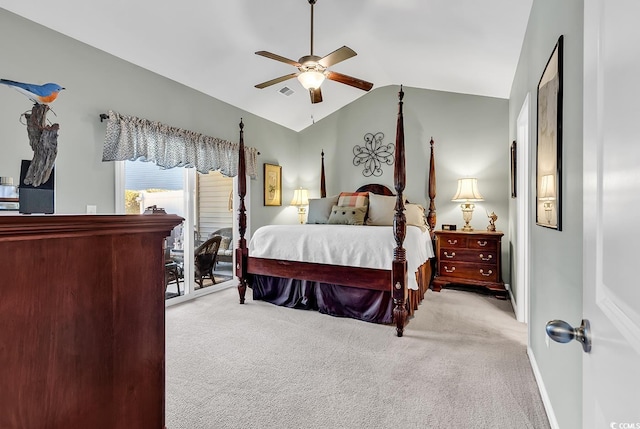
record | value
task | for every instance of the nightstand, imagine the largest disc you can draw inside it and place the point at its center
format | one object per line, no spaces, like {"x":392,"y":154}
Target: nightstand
{"x":469,"y":258}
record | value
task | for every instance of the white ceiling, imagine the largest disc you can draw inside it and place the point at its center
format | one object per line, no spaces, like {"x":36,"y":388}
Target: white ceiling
{"x":465,"y":46}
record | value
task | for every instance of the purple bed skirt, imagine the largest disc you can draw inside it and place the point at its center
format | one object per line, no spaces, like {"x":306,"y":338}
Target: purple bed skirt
{"x":335,"y":300}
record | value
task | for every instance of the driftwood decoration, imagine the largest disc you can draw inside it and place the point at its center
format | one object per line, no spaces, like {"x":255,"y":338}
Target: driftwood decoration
{"x":43,"y":139}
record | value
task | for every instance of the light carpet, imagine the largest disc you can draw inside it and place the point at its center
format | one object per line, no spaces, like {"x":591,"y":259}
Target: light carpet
{"x":462,"y":363}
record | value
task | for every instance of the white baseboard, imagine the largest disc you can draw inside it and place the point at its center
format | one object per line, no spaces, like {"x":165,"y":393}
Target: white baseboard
{"x":553,"y":422}
{"x":514,"y":305}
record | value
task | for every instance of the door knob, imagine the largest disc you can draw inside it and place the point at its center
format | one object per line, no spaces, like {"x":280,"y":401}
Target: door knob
{"x":561,"y":332}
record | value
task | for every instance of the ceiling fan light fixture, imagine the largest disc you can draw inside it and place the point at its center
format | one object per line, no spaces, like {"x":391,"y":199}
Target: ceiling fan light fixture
{"x":311,"y":79}
{"x":312,"y":70}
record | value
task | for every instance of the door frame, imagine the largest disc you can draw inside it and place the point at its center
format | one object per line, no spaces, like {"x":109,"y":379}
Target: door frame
{"x":189,"y":182}
{"x":523,"y":209}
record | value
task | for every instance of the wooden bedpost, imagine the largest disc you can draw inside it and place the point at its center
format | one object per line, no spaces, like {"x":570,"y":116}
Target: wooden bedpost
{"x":323,"y":186}
{"x":242,"y":252}
{"x":399,"y":265}
{"x":431,"y":217}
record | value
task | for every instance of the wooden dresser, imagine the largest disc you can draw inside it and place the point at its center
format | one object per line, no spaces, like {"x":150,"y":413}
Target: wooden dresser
{"x":82,"y":321}
{"x":469,"y":258}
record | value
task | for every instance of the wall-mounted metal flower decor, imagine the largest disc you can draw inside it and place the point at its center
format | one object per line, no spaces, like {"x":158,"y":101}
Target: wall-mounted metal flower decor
{"x":373,"y":154}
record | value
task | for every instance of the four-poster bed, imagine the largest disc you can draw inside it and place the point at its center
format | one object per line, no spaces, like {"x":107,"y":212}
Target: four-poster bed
{"x":355,"y":289}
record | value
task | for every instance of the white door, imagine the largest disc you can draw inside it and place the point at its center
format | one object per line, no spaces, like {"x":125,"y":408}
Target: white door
{"x":611,"y":300}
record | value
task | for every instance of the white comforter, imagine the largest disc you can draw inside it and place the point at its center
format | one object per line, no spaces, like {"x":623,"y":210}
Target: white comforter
{"x":348,"y":245}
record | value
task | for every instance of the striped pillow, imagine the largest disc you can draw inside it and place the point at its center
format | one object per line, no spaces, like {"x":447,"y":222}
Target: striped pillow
{"x":353,"y":199}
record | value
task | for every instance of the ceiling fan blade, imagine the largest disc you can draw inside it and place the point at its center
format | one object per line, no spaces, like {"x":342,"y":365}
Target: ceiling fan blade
{"x":276,"y":80}
{"x":337,"y":56}
{"x":348,"y":80}
{"x":278,"y":58}
{"x":316,"y":95}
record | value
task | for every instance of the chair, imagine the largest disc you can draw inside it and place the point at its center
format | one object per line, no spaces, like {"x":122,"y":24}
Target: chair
{"x":171,"y":274}
{"x":205,"y":259}
{"x":225,"y":251}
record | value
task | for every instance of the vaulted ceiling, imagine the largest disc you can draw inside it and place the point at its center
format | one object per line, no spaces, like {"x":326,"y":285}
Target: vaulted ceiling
{"x":465,"y":46}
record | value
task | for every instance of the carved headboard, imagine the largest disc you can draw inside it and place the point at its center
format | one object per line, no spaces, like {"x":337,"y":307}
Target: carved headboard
{"x":375,"y":189}
{"x":384,"y":190}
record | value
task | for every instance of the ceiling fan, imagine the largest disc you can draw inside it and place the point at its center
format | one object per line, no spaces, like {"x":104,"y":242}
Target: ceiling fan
{"x":312,"y":70}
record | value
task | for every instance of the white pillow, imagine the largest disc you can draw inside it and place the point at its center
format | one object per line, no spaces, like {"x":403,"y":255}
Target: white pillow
{"x":320,"y":209}
{"x":415,"y":215}
{"x":381,"y":209}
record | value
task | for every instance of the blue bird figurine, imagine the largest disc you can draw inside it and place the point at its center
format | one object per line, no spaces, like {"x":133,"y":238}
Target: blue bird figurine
{"x":39,"y":94}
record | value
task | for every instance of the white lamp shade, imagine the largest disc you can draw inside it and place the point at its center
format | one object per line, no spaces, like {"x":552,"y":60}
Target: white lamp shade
{"x":300,"y":197}
{"x":467,"y":190}
{"x":547,"y":188}
{"x":311,"y":79}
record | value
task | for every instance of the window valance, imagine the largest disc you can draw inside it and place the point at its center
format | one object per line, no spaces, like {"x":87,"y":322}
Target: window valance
{"x":129,"y":138}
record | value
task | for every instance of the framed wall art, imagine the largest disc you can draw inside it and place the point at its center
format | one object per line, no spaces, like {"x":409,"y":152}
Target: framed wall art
{"x":549,"y":143}
{"x":514,"y":169}
{"x":272,"y":185}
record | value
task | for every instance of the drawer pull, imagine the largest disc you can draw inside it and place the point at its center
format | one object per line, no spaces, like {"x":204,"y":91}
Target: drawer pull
{"x":449,"y":270}
{"x":488,"y":258}
{"x":487,"y":274}
{"x":450,"y":256}
{"x":452,"y":241}
{"x":482,"y":243}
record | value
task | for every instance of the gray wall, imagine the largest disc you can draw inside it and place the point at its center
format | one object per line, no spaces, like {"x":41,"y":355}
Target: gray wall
{"x":97,"y":82}
{"x":556,"y":257}
{"x":470,"y":134}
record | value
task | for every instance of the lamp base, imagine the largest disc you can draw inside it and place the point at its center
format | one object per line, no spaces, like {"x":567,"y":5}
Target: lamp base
{"x":548,"y":205}
{"x":467,"y":213}
{"x":302,"y":211}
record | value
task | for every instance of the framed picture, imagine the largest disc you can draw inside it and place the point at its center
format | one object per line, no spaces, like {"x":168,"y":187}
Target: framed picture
{"x":549,"y":143}
{"x":514,"y":169}
{"x":272,"y":185}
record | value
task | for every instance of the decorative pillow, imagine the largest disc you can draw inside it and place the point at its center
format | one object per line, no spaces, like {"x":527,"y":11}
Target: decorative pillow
{"x":343,"y":215}
{"x":224,"y":243}
{"x":353,"y":199}
{"x":381,"y":209}
{"x":415,"y":215}
{"x":320,"y":209}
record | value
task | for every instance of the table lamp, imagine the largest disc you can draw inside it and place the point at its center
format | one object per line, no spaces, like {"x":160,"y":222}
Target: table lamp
{"x":300,"y":200}
{"x":466,"y":193}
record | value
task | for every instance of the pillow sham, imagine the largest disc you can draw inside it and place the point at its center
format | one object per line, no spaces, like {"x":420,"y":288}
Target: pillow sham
{"x":343,"y":215}
{"x":415,"y":215}
{"x":381,"y":209}
{"x":320,"y":209}
{"x":353,"y":199}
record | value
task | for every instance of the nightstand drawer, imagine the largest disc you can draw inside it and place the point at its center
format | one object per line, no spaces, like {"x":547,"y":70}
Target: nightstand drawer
{"x":468,"y":255}
{"x":464,"y":270}
{"x":453,"y":242}
{"x":483,"y":243}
